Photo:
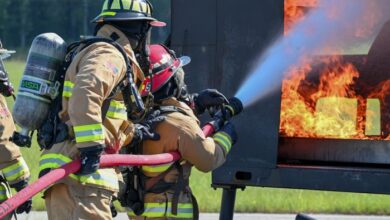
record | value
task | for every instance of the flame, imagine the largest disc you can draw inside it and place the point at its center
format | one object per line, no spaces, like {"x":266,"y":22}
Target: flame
{"x":328,"y":106}
{"x":295,"y":10}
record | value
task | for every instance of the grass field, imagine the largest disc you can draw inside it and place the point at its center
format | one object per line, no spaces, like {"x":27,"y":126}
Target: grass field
{"x":252,"y":199}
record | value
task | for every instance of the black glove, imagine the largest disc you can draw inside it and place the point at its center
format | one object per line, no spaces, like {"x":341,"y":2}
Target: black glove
{"x":114,"y":212}
{"x":145,"y":129}
{"x":230,"y":130}
{"x":90,"y":159}
{"x":208,"y":98}
{"x":6,"y":88}
{"x":27,"y":205}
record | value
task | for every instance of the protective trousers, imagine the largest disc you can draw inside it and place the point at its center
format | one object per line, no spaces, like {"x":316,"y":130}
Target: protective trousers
{"x":66,"y":202}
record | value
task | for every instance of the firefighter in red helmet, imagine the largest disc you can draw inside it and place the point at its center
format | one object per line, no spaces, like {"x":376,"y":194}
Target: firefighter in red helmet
{"x":163,"y":192}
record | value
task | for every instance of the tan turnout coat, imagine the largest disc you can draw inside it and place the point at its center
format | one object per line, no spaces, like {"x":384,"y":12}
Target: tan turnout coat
{"x":179,"y":132}
{"x":93,"y":74}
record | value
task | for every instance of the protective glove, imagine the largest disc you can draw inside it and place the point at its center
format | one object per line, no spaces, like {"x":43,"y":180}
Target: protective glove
{"x":208,"y":98}
{"x":6,"y":88}
{"x":114,"y":212}
{"x":230,"y":130}
{"x":90,"y":159}
{"x":146,"y":129}
{"x":27,"y":205}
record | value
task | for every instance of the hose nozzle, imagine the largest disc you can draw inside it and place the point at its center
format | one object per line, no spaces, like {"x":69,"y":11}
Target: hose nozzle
{"x":234,"y":107}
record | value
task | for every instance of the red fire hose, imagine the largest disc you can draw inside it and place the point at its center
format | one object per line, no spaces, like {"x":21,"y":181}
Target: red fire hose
{"x":57,"y":174}
{"x":106,"y":161}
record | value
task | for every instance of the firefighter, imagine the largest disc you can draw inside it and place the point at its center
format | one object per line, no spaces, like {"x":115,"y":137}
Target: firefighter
{"x":96,"y":75}
{"x":164,"y":189}
{"x":14,"y":170}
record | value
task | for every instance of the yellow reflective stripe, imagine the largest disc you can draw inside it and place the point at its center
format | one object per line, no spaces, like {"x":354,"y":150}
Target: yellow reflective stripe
{"x":66,"y":94}
{"x":105,"y":5}
{"x":52,"y":161}
{"x":223,"y":139}
{"x":59,"y":156}
{"x":101,"y":177}
{"x":108,"y":13}
{"x":152,"y":210}
{"x":143,"y":7}
{"x":155,"y":210}
{"x":126,"y":4}
{"x":184,"y":210}
{"x":86,"y":133}
{"x":231,"y":109}
{"x":373,"y":117}
{"x":136,"y":6}
{"x":157,"y":168}
{"x":68,"y":84}
{"x":4,"y":193}
{"x":148,"y":10}
{"x":117,"y":110}
{"x":68,"y":88}
{"x":115,"y":5}
{"x":16,"y":170}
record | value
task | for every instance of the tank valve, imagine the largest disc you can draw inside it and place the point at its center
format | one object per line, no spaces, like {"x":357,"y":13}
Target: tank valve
{"x":21,"y":140}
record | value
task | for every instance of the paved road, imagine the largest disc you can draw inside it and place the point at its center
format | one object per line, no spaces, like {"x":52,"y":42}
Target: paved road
{"x":239,"y":216}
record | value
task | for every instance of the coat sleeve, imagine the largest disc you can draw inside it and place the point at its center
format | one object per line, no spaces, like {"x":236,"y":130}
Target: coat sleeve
{"x":206,"y":154}
{"x":98,"y":72}
{"x":12,"y":164}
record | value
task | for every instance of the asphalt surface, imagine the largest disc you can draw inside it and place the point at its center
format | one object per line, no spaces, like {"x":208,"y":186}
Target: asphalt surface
{"x":239,"y":216}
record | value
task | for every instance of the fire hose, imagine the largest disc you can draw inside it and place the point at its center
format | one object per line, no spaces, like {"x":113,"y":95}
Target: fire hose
{"x":234,"y":108}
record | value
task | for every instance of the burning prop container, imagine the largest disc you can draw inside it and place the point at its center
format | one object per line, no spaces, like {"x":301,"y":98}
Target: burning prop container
{"x":349,"y":152}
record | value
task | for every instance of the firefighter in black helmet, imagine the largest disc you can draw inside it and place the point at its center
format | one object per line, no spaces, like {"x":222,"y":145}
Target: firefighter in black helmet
{"x":91,"y":79}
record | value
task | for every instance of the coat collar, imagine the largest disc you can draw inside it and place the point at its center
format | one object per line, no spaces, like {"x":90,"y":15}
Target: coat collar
{"x":108,"y":31}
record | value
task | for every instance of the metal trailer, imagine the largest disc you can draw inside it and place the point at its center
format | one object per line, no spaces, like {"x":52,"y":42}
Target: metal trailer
{"x":224,"y":39}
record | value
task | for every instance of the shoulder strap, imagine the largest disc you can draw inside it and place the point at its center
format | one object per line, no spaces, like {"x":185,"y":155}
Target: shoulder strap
{"x":166,"y":109}
{"x":132,"y":99}
{"x":88,"y":42}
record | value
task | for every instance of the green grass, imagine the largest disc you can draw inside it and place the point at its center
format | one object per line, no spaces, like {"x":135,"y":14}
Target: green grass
{"x":252,"y":199}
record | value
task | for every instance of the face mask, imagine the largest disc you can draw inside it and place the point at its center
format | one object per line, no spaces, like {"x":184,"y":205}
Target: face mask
{"x":135,"y":31}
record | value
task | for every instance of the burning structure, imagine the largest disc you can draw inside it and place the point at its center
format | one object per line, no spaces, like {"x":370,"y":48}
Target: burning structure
{"x":325,"y":126}
{"x":336,"y":103}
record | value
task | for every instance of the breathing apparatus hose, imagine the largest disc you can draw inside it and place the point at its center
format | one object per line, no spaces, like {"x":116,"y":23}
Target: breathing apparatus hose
{"x":114,"y":160}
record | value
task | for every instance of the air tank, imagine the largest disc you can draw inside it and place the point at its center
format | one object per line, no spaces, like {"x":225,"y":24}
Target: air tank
{"x":38,"y":86}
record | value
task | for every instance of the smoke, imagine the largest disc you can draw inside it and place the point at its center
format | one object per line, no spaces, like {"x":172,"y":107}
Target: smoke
{"x":323,"y":30}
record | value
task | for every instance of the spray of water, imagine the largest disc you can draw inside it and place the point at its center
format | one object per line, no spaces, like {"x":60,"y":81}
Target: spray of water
{"x":331,"y":21}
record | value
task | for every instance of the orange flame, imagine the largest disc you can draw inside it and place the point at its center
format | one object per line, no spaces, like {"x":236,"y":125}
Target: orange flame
{"x":328,"y":106}
{"x":295,"y":10}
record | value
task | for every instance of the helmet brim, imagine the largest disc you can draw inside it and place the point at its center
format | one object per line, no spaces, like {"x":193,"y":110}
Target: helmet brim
{"x":184,"y":60}
{"x":158,"y":23}
{"x":5,"y":51}
{"x":128,"y":16}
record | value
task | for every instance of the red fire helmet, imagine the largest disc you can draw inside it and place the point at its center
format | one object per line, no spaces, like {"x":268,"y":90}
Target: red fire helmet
{"x":164,"y":65}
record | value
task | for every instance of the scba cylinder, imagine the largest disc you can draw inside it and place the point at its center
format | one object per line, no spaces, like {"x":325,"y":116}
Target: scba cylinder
{"x":38,"y":86}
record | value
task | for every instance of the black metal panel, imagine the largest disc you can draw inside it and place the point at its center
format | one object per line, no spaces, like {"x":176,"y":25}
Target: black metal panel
{"x":337,"y":150}
{"x":345,"y":179}
{"x":194,"y":33}
{"x":225,"y":39}
{"x":246,"y":32}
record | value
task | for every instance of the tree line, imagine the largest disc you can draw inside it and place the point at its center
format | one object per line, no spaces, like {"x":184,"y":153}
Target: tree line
{"x":22,"y":20}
